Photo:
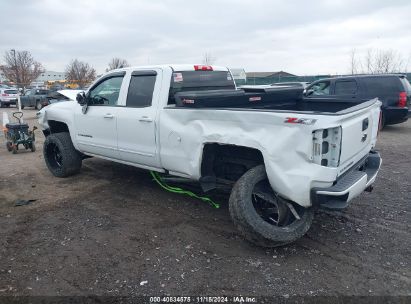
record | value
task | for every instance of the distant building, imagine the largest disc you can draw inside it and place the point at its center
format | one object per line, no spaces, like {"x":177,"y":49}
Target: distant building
{"x":269,"y":77}
{"x":46,"y":76}
{"x":239,"y":75}
{"x":51,"y":76}
{"x":269,"y":74}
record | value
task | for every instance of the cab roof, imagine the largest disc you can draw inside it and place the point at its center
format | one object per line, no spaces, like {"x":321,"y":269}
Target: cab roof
{"x":174,"y":67}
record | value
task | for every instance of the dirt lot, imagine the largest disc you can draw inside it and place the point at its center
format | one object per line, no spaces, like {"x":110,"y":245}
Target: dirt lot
{"x":109,"y":229}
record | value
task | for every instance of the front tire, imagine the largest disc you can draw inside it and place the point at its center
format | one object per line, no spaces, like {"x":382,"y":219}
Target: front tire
{"x":38,"y":105}
{"x":62,"y":159}
{"x":263,"y":217}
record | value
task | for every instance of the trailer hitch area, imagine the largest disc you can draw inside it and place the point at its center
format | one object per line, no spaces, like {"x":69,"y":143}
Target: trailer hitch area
{"x":369,"y":188}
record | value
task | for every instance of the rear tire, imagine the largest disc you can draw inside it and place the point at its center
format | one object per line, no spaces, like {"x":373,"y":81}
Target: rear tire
{"x":1,"y":104}
{"x":33,"y":147}
{"x":247,"y":212}
{"x":62,"y":159}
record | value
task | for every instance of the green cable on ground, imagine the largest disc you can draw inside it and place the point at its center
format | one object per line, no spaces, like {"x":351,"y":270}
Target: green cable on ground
{"x":163,"y":185}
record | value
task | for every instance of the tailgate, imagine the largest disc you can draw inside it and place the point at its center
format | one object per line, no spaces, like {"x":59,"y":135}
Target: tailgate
{"x":359,"y":134}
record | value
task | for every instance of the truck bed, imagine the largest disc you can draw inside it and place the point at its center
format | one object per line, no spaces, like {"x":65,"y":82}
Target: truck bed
{"x":275,"y":98}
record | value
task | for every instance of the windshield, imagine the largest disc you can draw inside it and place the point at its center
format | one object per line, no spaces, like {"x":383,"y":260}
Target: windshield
{"x":200,"y":81}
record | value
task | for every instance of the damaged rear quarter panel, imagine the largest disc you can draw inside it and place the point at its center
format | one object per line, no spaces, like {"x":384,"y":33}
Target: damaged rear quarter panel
{"x":286,"y":148}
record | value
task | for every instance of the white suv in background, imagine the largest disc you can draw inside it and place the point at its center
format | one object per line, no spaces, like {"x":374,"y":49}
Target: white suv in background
{"x":8,"y":96}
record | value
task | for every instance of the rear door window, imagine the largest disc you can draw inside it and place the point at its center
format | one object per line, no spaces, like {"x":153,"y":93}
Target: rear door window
{"x":140,"y":91}
{"x":345,"y":87}
{"x":42,"y":92}
{"x":382,"y":86}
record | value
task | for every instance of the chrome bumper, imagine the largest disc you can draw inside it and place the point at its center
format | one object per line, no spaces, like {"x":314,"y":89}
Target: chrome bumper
{"x":359,"y":178}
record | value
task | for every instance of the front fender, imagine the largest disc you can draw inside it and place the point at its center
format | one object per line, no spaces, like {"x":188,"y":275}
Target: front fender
{"x":63,"y":112}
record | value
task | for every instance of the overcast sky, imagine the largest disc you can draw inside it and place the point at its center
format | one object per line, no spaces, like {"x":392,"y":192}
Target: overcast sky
{"x":300,"y":37}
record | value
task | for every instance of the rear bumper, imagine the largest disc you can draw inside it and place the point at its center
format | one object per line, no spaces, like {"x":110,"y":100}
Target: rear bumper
{"x":359,"y":178}
{"x":9,"y":101}
{"x":395,"y":115}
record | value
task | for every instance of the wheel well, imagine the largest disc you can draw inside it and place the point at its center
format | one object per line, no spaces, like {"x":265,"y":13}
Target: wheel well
{"x":228,"y":162}
{"x":57,"y":127}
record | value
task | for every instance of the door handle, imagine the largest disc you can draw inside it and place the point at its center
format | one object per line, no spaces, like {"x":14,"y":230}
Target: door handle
{"x":108,"y":115}
{"x":145,"y":119}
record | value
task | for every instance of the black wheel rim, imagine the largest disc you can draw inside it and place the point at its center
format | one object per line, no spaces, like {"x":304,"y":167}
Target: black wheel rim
{"x":270,"y":207}
{"x":54,"y":156}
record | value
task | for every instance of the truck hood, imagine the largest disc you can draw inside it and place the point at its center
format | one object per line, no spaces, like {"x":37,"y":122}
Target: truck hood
{"x":64,"y":108}
{"x":70,"y":94}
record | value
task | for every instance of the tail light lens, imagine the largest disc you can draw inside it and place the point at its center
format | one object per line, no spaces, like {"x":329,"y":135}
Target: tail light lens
{"x":402,"y":101}
{"x":327,"y":146}
{"x":4,"y":94}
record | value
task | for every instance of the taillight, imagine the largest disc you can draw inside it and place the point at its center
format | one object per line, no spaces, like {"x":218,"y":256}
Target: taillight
{"x":327,"y":147}
{"x":402,"y":101}
{"x":4,"y":94}
{"x":203,"y":68}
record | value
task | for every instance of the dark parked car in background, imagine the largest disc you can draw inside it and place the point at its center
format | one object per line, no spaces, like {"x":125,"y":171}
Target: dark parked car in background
{"x":394,"y":91}
{"x":36,"y":98}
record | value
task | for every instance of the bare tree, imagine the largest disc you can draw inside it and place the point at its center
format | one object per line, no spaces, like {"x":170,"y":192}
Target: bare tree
{"x":353,"y":62}
{"x":117,"y":63}
{"x":209,"y":59}
{"x":20,"y":67}
{"x":80,"y":72}
{"x":389,"y":61}
{"x":368,"y":61}
{"x":377,"y":61}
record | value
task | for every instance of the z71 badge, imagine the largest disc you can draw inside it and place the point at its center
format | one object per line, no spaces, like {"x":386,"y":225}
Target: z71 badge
{"x":303,"y":121}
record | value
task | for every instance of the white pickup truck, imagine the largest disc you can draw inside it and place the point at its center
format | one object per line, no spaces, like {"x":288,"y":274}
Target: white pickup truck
{"x":282,"y":156}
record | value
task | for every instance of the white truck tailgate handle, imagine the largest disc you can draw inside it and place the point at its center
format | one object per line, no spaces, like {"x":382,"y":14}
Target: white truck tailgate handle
{"x":108,"y":115}
{"x":145,"y":119}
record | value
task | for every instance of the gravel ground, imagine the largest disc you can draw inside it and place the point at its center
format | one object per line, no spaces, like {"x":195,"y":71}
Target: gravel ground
{"x":112,"y":231}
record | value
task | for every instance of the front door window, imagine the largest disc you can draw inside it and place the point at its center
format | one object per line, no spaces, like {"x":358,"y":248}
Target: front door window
{"x":321,"y":88}
{"x":106,"y":93}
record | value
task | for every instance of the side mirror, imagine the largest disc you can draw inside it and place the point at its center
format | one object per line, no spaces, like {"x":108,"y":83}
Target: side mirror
{"x":81,"y":98}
